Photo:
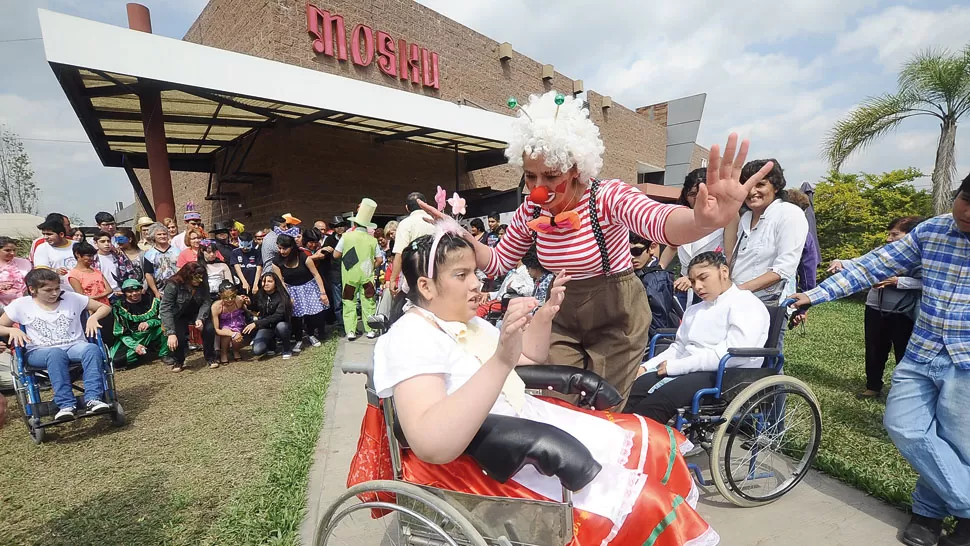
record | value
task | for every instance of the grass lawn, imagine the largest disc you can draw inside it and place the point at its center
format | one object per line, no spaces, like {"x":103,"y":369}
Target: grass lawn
{"x":208,"y":457}
{"x":855,"y":447}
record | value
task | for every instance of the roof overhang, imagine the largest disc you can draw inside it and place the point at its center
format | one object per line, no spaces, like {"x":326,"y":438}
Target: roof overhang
{"x":211,"y":98}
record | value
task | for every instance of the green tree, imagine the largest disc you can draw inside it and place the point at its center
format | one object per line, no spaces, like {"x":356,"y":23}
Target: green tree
{"x":18,"y":192}
{"x":932,"y":83}
{"x":852,"y":211}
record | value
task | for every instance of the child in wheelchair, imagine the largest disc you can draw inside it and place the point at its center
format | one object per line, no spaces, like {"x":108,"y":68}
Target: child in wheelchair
{"x":448,"y":370}
{"x":55,"y":338}
{"x":726,"y":317}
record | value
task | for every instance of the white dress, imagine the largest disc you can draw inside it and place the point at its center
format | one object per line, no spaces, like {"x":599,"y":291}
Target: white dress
{"x":418,"y":346}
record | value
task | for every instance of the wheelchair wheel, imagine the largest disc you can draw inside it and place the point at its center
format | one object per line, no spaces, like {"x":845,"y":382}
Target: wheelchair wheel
{"x":768,"y":441}
{"x":416,"y":517}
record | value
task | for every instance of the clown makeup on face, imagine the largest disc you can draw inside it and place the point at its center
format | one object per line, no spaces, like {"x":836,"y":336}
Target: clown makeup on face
{"x":562,"y":188}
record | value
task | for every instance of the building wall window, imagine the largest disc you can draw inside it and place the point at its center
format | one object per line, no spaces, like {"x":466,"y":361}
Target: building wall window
{"x":651,"y":178}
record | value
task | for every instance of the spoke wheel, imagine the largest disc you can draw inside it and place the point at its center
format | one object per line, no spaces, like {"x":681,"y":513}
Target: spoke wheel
{"x":415,"y":517}
{"x":768,"y":441}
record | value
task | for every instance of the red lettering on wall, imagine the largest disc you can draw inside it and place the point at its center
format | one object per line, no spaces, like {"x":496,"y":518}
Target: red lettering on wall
{"x":386,"y":59}
{"x":409,"y":62}
{"x":324,"y":40}
{"x":368,"y":43}
{"x":414,"y":61}
{"x":429,"y":69}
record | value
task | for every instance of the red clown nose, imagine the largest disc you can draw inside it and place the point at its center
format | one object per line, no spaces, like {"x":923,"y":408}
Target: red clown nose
{"x":539,"y":195}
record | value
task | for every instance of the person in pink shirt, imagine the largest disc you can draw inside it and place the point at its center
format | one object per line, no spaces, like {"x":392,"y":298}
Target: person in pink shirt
{"x":87,"y":280}
{"x":12,"y":272}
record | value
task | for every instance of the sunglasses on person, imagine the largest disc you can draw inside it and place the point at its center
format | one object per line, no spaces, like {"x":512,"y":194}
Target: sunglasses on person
{"x":636,"y":251}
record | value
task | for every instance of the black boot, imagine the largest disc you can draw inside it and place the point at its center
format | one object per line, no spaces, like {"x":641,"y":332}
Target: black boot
{"x":922,"y":531}
{"x":960,"y":536}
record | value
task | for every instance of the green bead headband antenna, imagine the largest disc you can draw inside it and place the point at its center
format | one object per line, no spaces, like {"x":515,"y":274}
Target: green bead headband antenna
{"x":513,"y":104}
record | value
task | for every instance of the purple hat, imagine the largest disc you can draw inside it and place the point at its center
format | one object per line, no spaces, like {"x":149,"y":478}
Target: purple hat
{"x":190,"y":212}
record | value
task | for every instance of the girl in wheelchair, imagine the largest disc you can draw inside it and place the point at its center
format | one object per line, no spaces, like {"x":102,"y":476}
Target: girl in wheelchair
{"x":55,"y":338}
{"x":726,"y":317}
{"x":448,"y":370}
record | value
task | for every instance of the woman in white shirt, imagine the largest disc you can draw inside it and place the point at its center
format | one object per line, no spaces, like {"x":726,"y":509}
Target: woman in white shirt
{"x":726,"y":317}
{"x":771,"y":236}
{"x":448,"y":369}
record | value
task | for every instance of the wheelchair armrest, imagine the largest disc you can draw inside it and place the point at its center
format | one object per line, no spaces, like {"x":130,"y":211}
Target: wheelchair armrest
{"x":594,"y":391}
{"x":505,"y":444}
{"x":754,"y":352}
{"x":665,"y":332}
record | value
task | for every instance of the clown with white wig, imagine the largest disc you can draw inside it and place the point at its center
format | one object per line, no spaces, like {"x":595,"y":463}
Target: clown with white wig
{"x":580,"y":225}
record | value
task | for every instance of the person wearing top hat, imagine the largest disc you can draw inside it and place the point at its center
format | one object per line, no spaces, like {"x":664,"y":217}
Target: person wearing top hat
{"x":220,"y":230}
{"x":137,"y":326}
{"x":357,"y":253}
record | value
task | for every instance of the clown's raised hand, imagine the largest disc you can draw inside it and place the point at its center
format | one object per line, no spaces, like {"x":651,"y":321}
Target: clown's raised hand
{"x":719,"y":200}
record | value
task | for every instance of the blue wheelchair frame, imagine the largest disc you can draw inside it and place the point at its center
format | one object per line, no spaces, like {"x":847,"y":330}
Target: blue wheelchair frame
{"x":34,"y":408}
{"x":774,"y":359}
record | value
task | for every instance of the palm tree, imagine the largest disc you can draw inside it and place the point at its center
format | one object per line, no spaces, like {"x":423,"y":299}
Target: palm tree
{"x":932,"y":83}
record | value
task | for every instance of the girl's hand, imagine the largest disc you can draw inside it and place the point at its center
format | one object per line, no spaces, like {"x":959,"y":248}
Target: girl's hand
{"x":517,"y":318}
{"x":682,"y":284}
{"x":557,"y":294}
{"x":236,"y":336}
{"x":173,"y":342}
{"x":720,"y":198}
{"x":324,"y":299}
{"x":18,"y":338}
{"x":92,"y":327}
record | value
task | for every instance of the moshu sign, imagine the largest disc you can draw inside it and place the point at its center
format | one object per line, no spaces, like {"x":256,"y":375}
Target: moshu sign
{"x":397,"y":59}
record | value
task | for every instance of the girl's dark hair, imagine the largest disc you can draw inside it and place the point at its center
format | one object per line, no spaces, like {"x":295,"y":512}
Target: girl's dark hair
{"x":776,"y":176}
{"x":905,"y":223}
{"x":84,"y":248}
{"x":310,"y":234}
{"x":285,"y":241}
{"x":531,"y":259}
{"x":227,"y":285}
{"x":478,"y":224}
{"x":77,"y":230}
{"x":261,"y":293}
{"x":711,"y":258}
{"x":40,"y":276}
{"x":201,"y":256}
{"x":691,"y":181}
{"x":503,"y":227}
{"x":188,"y":271}
{"x":414,"y":259}
{"x":4,"y":241}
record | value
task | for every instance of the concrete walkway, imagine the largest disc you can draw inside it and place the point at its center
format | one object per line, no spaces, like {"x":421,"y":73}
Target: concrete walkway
{"x":820,"y":511}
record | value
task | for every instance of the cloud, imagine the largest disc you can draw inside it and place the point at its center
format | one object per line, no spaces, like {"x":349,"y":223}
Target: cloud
{"x":900,"y":31}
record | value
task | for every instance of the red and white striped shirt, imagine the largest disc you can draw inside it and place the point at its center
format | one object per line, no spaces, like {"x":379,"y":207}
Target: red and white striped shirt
{"x":620,"y":208}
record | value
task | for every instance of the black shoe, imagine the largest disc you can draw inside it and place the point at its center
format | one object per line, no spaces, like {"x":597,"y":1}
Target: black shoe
{"x":960,"y":536}
{"x":922,"y":531}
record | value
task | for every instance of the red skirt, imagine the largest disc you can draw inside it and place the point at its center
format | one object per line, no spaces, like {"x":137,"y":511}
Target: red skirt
{"x":661,"y":515}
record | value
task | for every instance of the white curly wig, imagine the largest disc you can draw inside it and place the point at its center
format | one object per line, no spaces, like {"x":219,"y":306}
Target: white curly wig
{"x":564,"y":140}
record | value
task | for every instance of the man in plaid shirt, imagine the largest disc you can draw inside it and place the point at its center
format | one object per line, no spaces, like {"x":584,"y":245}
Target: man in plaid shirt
{"x":928,"y":407}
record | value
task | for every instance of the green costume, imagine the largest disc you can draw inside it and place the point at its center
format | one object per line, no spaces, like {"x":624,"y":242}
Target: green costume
{"x":358,"y":251}
{"x":127,"y":337}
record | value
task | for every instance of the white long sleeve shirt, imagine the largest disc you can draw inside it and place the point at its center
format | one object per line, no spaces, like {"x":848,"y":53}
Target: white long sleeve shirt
{"x":736,"y":319}
{"x":775,"y":244}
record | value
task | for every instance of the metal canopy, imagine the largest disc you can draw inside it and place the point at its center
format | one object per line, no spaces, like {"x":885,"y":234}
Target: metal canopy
{"x":211,"y":98}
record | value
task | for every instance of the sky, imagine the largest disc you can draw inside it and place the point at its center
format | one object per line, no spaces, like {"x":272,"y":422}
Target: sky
{"x":779,"y":73}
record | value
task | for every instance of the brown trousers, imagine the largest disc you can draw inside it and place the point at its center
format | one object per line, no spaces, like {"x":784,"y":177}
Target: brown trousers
{"x":603,"y":326}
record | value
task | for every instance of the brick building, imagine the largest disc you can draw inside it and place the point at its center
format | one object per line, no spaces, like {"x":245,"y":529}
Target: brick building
{"x":319,"y":163}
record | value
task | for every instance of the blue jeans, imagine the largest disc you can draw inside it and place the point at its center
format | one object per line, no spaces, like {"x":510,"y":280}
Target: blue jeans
{"x":57,"y":361}
{"x":928,"y":418}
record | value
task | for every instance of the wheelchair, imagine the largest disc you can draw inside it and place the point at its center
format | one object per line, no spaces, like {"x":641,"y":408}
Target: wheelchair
{"x":38,"y":414}
{"x":760,"y":428}
{"x":428,"y":516}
